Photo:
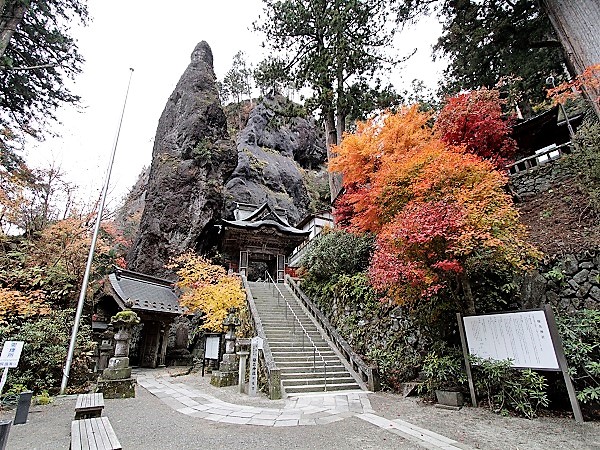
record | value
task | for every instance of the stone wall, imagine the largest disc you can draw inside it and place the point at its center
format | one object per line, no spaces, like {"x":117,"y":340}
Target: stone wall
{"x":541,"y":178}
{"x":568,"y":283}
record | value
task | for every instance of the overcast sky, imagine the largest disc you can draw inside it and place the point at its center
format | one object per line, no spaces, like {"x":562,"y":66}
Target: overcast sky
{"x":156,"y":39}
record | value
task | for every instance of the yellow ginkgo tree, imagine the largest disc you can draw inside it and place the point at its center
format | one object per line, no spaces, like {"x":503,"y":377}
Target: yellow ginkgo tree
{"x":207,"y":289}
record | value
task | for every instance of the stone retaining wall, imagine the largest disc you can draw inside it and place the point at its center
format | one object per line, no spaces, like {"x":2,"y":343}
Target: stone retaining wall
{"x":541,"y":178}
{"x":568,"y":283}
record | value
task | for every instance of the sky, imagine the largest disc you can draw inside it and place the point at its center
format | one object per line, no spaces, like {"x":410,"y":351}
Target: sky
{"x":157,"y":40}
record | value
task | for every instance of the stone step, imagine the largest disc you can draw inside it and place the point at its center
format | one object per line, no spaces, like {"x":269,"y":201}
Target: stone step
{"x":286,"y":348}
{"x":293,"y":367}
{"x":320,"y":388}
{"x":338,"y":377}
{"x":287,"y":382}
{"x":305,"y":358}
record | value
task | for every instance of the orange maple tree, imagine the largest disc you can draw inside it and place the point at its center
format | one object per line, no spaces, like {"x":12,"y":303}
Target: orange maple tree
{"x":440,"y":213}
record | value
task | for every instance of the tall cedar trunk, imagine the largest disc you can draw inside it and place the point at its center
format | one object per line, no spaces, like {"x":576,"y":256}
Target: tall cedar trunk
{"x":576,"y":24}
{"x":12,"y":16}
{"x":335,"y":178}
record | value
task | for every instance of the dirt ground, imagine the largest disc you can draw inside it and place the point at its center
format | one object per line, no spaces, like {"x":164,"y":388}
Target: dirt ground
{"x":560,"y":221}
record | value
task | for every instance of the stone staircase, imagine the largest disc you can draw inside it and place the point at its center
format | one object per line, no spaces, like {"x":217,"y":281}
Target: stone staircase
{"x":302,"y":368}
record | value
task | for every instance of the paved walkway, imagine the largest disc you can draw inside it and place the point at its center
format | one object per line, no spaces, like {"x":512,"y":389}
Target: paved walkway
{"x":301,"y":410}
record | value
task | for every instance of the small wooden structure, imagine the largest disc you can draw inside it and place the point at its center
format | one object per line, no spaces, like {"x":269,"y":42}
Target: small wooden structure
{"x":157,"y":305}
{"x":260,"y":234}
{"x":89,"y":405}
{"x":95,"y":433}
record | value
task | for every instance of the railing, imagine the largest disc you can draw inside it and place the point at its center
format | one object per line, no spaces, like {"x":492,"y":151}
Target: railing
{"x":304,"y":332}
{"x":538,"y":160}
{"x":272,"y":373}
{"x":368,"y":374}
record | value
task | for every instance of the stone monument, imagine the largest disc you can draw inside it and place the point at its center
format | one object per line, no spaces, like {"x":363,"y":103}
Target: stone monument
{"x":116,"y":381}
{"x":227,"y":375}
{"x":180,"y":355}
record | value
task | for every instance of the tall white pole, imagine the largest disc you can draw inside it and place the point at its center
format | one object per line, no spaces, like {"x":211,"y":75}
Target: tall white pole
{"x":88,"y":267}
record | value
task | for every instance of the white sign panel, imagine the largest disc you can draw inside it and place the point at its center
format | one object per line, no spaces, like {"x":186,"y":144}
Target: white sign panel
{"x":211,"y":347}
{"x":523,"y":337}
{"x":11,"y":352}
{"x":256,"y":343}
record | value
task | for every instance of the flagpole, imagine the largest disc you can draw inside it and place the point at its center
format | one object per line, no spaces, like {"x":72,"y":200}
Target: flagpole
{"x":90,"y":258}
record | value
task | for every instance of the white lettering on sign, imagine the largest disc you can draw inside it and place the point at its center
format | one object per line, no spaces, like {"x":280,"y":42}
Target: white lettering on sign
{"x":523,"y":337}
{"x":11,"y":352}
{"x":256,"y":343}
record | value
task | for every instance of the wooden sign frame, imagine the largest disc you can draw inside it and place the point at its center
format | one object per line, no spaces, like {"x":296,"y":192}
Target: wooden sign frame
{"x":558,"y":351}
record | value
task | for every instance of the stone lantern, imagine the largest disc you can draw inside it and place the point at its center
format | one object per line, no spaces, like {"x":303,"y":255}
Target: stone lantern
{"x":227,"y":375}
{"x":116,"y":381}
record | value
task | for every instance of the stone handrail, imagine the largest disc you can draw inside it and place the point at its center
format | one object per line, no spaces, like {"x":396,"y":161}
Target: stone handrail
{"x":368,"y":374}
{"x":533,"y":162}
{"x":273,"y":374}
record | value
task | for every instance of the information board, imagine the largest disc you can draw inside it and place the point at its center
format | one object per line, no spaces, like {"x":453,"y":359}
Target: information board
{"x":523,"y":337}
{"x":11,"y":352}
{"x":211,"y":347}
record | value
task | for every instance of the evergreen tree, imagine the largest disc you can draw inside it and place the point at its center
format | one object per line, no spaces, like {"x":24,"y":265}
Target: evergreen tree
{"x":329,"y":45}
{"x":37,"y":53}
{"x":494,"y":41}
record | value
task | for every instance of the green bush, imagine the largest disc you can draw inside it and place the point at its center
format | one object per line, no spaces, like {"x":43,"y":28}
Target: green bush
{"x":45,"y":352}
{"x":506,"y":389}
{"x":338,"y":252}
{"x":580,"y":334}
{"x":443,"y":372}
{"x":586,"y":161}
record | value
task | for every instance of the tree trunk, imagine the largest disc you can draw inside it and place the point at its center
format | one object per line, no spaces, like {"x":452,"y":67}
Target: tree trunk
{"x":12,"y":17}
{"x":335,"y":178}
{"x":576,"y":24}
{"x":465,"y":284}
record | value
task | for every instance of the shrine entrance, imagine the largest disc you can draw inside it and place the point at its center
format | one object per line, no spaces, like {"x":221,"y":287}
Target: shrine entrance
{"x":259,"y":240}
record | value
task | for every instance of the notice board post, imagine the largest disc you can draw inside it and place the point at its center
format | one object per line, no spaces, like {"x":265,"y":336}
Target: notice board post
{"x":529,"y":339}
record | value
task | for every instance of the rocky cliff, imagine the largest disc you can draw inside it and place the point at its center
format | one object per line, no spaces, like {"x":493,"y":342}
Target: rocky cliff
{"x":198,"y":174}
{"x":191,"y":160}
{"x":281,"y":154}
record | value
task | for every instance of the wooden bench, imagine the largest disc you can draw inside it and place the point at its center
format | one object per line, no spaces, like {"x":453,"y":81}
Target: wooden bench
{"x":95,"y":433}
{"x":88,"y":406}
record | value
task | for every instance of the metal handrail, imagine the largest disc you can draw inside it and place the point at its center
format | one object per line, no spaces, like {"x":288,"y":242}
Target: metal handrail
{"x":315,"y":349}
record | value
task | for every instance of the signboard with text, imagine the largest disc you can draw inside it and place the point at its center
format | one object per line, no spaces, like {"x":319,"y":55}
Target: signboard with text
{"x":256,"y":344}
{"x":11,"y":352}
{"x":523,"y":337}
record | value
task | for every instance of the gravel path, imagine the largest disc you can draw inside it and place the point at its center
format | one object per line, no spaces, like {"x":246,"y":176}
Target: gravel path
{"x":148,"y":422}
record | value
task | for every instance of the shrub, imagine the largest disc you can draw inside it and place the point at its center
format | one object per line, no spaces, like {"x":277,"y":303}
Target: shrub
{"x":506,"y":389}
{"x":45,"y":352}
{"x":443,"y":372}
{"x":587,"y":159}
{"x":338,"y":252}
{"x":580,"y":333}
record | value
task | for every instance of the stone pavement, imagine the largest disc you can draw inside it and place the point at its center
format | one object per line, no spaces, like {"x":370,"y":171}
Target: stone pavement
{"x":299,"y":410}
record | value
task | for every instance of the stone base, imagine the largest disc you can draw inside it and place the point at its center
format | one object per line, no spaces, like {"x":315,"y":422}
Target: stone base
{"x":230,"y":363}
{"x":223,"y":379}
{"x":117,"y":388}
{"x":179,"y":357}
{"x":118,"y":369}
{"x":449,"y":398}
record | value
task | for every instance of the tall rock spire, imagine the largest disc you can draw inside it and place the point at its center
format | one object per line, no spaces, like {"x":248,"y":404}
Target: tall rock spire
{"x":191,"y":159}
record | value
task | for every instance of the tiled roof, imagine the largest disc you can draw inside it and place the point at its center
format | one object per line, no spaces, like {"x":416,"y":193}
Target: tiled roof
{"x":142,"y":292}
{"x":265,"y":216}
